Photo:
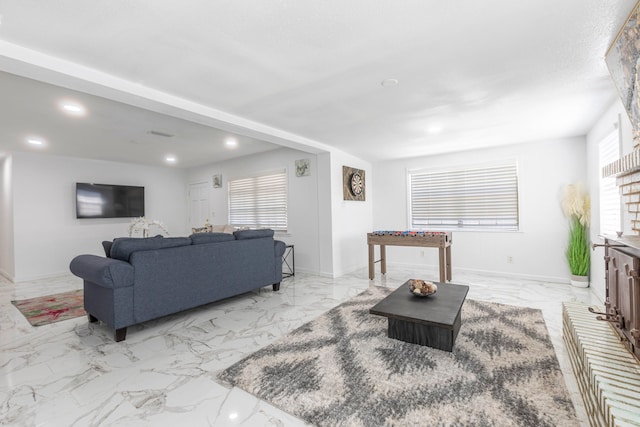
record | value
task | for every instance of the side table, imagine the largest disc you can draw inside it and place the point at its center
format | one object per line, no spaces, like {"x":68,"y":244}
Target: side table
{"x":288,"y":262}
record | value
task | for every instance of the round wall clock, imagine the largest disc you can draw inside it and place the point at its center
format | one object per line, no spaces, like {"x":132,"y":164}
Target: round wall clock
{"x":357,"y":184}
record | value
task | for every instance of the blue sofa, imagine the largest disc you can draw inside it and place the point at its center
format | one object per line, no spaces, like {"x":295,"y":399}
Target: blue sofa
{"x":146,"y":278}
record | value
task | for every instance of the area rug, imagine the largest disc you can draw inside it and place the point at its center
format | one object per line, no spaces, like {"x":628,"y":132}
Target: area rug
{"x":52,"y":308}
{"x":341,"y":369}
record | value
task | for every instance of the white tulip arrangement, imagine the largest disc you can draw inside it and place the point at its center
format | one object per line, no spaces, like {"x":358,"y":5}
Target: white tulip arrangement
{"x":576,"y":206}
{"x":142,"y":225}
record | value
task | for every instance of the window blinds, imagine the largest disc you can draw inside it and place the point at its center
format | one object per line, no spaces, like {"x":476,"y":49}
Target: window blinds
{"x":259,"y":201}
{"x":609,"y":152}
{"x":470,"y":198}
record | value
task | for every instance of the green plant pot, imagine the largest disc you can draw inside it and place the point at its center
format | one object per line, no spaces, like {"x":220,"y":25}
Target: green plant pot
{"x":579,"y":281}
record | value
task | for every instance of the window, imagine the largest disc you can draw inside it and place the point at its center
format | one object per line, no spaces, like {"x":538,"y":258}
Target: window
{"x":259,"y":201}
{"x":475,"y":198}
{"x":609,"y":152}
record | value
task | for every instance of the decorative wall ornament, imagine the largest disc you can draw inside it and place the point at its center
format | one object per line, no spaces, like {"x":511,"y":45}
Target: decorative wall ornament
{"x":353,"y":184}
{"x":623,"y":61}
{"x":303,"y":167}
{"x":217,"y":181}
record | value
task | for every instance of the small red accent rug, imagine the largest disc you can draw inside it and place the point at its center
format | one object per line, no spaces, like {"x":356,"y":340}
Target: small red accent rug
{"x":52,"y":308}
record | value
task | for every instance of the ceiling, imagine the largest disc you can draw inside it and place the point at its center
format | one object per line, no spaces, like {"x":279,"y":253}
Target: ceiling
{"x":109,"y":130}
{"x":303,"y":74}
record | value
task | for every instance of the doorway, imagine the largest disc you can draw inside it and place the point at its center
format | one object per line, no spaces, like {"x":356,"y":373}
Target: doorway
{"x":198,"y":204}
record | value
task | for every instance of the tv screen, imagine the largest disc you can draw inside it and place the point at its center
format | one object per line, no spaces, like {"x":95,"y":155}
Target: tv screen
{"x":108,"y":201}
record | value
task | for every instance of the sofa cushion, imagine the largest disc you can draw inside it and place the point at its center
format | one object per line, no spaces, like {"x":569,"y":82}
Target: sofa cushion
{"x":253,"y":234}
{"x":123,"y":247}
{"x":203,"y":238}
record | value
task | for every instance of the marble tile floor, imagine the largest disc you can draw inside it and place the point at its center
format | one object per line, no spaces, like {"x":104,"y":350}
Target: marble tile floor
{"x":72,"y":373}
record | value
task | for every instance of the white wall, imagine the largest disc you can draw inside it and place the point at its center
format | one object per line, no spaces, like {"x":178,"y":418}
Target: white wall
{"x":329,"y":233}
{"x":47,"y":234}
{"x":325,"y":220}
{"x":537,"y":250}
{"x":614,"y":117}
{"x":6,"y":218}
{"x":303,"y":218}
{"x":350,"y":220}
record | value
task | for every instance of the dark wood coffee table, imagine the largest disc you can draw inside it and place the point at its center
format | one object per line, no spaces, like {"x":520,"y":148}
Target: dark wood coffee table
{"x":432,"y":321}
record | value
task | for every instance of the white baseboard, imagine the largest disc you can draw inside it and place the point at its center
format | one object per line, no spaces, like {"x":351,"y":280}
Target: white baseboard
{"x":521,"y":276}
{"x":311,"y":272}
{"x":595,"y":293}
{"x":7,"y":276}
{"x":535,"y":277}
{"x":23,"y":279}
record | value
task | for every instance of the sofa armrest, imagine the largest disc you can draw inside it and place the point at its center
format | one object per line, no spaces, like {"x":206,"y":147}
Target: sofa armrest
{"x":106,"y":272}
{"x":279,"y":247}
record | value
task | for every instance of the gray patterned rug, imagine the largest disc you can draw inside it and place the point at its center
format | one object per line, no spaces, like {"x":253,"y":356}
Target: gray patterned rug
{"x":342,"y":369}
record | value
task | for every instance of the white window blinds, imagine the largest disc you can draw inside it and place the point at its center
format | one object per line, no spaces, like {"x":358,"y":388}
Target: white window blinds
{"x":474,"y":198}
{"x":609,"y":151}
{"x":259,"y":201}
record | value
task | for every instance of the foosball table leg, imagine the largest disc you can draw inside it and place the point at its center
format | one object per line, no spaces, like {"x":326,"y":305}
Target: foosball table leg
{"x":372,"y":271}
{"x":442,"y":264}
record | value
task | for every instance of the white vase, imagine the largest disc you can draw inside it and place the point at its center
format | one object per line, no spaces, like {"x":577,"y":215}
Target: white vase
{"x":579,"y":281}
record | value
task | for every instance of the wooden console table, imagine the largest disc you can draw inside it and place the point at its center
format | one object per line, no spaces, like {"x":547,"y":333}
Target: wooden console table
{"x":440,"y":240}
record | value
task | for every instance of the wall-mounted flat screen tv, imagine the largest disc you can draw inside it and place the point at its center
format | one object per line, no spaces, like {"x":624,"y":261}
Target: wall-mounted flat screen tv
{"x":109,"y":201}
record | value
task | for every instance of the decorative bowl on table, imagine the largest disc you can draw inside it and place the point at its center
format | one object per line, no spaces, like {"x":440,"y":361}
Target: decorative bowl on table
{"x":422,"y":288}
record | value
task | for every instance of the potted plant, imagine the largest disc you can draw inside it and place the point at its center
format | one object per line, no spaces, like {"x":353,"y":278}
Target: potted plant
{"x":576,"y":206}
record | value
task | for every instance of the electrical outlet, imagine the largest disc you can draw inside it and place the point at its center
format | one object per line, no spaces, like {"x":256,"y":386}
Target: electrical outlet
{"x":422,"y":253}
{"x":509,"y":259}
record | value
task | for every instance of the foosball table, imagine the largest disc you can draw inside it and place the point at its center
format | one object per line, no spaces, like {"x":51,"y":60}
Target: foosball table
{"x":427,"y":239}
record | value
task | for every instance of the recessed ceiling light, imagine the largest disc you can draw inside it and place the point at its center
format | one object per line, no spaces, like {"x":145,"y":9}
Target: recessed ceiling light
{"x":35,"y":141}
{"x":73,"y":108}
{"x":171,"y":159}
{"x":389,"y":82}
{"x":231,"y":143}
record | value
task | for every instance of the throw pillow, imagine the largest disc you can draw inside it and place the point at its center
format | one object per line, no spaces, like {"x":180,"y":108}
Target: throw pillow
{"x":205,"y":229}
{"x":223,"y":228}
